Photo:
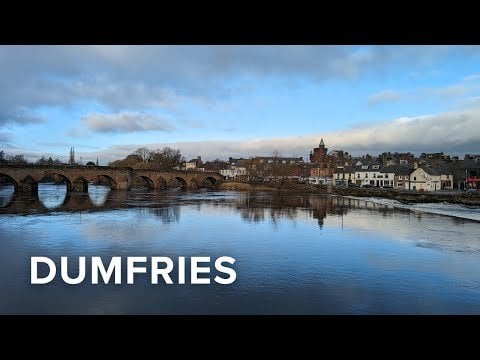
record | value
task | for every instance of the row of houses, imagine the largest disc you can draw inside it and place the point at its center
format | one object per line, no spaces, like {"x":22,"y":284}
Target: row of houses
{"x":423,"y":177}
{"x":429,"y":172}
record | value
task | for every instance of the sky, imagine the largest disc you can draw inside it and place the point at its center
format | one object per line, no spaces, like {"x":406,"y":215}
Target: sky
{"x":222,"y":101}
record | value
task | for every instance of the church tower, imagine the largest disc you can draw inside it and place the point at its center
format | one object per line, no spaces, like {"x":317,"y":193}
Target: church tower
{"x":319,"y":154}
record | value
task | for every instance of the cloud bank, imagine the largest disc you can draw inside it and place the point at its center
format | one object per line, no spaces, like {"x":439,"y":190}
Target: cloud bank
{"x":453,"y":132}
{"x":126,"y":122}
{"x":138,"y":78}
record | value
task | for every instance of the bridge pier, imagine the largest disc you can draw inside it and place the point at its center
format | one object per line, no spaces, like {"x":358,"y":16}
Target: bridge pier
{"x":27,"y":188}
{"x":123,"y":185}
{"x":80,"y":187}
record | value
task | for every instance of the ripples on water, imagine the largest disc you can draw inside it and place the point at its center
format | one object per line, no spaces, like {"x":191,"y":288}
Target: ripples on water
{"x":295,"y":253}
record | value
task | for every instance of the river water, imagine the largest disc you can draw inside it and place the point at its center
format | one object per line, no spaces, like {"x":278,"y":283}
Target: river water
{"x":295,"y":254}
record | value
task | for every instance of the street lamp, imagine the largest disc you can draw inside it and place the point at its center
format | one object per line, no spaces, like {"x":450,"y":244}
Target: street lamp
{"x":465,"y":188}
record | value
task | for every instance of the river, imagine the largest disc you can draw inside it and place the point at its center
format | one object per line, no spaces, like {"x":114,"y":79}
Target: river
{"x":295,"y":254}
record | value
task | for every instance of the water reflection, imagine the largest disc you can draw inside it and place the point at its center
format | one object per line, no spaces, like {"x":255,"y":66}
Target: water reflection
{"x":98,"y":194}
{"x":52,"y":195}
{"x":6,"y":195}
{"x":167,"y":215}
{"x":295,"y":253}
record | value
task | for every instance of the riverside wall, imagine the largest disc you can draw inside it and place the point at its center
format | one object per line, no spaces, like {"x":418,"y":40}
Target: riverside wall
{"x":394,"y":194}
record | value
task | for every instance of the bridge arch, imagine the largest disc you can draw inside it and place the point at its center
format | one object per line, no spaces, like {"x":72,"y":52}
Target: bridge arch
{"x":80,"y":184}
{"x":143,"y":179}
{"x":109,"y":179}
{"x":29,"y":184}
{"x":64,"y":179}
{"x":48,"y":197}
{"x":193,"y":183}
{"x":161,"y":183}
{"x":182,"y":181}
{"x":10,"y":179}
{"x":208,"y":181}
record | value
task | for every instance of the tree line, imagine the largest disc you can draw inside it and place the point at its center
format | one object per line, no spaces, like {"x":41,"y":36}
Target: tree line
{"x":165,"y":159}
{"x":20,"y":160}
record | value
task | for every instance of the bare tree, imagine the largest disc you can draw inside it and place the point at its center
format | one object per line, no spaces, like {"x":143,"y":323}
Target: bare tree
{"x":166,"y":159}
{"x":144,"y":153}
{"x":18,"y":160}
{"x":130,"y":161}
{"x":42,"y":161}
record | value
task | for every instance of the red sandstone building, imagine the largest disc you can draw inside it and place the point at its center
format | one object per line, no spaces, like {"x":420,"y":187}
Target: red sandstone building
{"x":319,"y":154}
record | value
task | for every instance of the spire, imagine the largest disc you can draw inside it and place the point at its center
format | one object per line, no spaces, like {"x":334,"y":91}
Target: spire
{"x":71,"y":160}
{"x":322,"y":143}
{"x":97,"y":161}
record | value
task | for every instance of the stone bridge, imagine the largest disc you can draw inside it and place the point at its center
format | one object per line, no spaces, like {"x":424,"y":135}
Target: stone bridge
{"x":25,"y":178}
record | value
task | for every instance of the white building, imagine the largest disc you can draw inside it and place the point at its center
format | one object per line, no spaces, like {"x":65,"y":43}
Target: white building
{"x":426,"y":178}
{"x":344,"y":176}
{"x":374,"y":176}
{"x":234,"y":173}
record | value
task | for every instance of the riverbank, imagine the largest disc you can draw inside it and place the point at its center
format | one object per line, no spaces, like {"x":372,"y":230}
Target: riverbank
{"x":402,"y":196}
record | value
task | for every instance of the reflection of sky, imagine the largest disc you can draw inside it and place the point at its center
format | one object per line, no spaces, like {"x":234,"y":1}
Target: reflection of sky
{"x":51,"y":195}
{"x":6,"y":194}
{"x":379,"y":262}
{"x":98,"y":194}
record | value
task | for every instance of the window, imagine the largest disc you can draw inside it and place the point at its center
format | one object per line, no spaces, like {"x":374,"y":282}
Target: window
{"x":386,"y":176}
{"x":374,"y":175}
{"x":358,"y":176}
{"x":414,"y":178}
{"x":366,"y":175}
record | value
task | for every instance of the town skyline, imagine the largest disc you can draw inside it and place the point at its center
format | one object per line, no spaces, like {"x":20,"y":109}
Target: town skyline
{"x":238,"y":101}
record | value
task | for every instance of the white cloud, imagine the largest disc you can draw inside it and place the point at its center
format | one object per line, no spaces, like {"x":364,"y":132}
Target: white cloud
{"x":449,"y":92}
{"x":126,"y":122}
{"x":453,"y":132}
{"x":135,"y":78}
{"x":4,"y":137}
{"x":385,"y":96}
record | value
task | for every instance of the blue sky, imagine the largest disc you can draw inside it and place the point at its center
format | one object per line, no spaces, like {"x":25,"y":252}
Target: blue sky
{"x":221,"y":101}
